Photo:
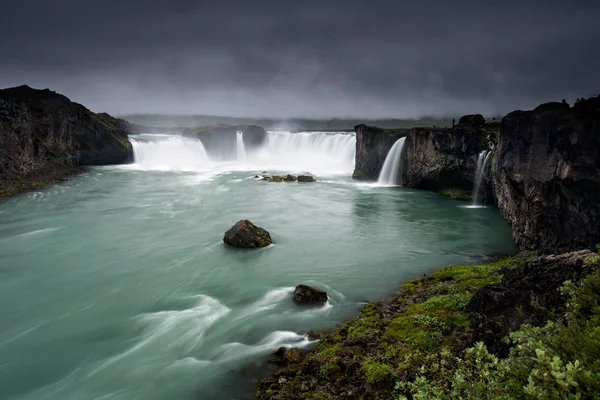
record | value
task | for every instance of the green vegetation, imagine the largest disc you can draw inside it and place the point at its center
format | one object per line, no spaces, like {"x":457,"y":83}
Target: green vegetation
{"x":414,"y":346}
{"x":457,"y":194}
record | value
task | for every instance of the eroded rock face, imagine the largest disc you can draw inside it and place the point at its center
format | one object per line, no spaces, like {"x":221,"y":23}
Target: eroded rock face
{"x":42,"y":131}
{"x":496,"y":310}
{"x":309,"y":295}
{"x":546,"y":173}
{"x":442,"y":159}
{"x":247,"y":235}
{"x":372,"y":146}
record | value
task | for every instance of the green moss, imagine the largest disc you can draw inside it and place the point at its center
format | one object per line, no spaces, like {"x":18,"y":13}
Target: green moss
{"x":362,"y":325}
{"x":457,"y":194}
{"x":455,"y":302}
{"x":377,"y":372}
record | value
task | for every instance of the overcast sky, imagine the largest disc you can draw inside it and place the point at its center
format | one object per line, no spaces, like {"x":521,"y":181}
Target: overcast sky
{"x":314,"y":58}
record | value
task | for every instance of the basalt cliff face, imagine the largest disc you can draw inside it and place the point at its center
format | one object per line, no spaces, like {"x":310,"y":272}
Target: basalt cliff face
{"x":438,"y":159}
{"x":546,"y":175}
{"x":44,"y":137}
{"x":372,"y":146}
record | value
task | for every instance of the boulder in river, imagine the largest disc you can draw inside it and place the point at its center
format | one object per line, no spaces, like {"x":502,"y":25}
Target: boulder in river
{"x":306,"y":178}
{"x":247,"y":235}
{"x":309,"y":295}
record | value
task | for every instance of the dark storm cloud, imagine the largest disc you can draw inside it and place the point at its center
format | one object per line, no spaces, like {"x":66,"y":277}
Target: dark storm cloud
{"x":304,"y":58}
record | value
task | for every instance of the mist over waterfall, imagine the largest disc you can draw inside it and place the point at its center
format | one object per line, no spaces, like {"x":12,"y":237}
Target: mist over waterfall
{"x":391,"y":166}
{"x":323,"y":153}
{"x":482,"y":162}
{"x":168,"y":153}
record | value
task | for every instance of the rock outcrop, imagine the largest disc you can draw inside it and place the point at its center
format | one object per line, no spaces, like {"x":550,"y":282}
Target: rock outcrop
{"x":254,"y":136}
{"x":527,"y":294}
{"x":546,"y":174}
{"x":372,"y":146}
{"x":247,"y":235}
{"x":306,"y":178}
{"x":220,"y":140}
{"x":309,"y":295}
{"x":443,"y":159}
{"x":44,"y":137}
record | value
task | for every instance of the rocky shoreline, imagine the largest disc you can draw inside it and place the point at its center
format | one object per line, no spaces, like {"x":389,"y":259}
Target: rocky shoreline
{"x":446,"y":334}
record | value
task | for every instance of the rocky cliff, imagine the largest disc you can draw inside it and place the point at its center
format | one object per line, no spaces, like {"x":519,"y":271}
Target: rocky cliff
{"x":546,"y":174}
{"x":372,"y":146}
{"x":439,"y":159}
{"x":45,"y":137}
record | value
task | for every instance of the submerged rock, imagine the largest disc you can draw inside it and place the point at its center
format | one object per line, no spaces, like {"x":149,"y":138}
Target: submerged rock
{"x":247,"y":235}
{"x":309,"y":295}
{"x":306,"y":178}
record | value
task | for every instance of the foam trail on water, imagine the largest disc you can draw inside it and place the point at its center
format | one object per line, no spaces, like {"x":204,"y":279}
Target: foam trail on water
{"x":391,"y":166}
{"x":270,"y":343}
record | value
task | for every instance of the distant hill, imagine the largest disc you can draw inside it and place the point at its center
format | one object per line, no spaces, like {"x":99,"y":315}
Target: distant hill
{"x":295,"y":124}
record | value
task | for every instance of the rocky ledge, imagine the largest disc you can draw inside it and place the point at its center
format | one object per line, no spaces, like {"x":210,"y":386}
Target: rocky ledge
{"x":45,"y":137}
{"x":429,"y":342}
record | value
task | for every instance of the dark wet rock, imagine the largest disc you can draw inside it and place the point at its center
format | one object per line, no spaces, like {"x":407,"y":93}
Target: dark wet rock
{"x":293,"y":356}
{"x":306,"y":178}
{"x":247,"y":235}
{"x":372,"y":146}
{"x":290,"y":178}
{"x":45,"y":137}
{"x":442,"y":159}
{"x":527,"y":294}
{"x":254,"y":136}
{"x":546,"y":171}
{"x":309,"y":295}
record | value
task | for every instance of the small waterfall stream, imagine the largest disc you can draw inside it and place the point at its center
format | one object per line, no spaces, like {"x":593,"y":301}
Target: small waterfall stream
{"x":239,"y":146}
{"x":391,"y":166}
{"x":482,"y":162}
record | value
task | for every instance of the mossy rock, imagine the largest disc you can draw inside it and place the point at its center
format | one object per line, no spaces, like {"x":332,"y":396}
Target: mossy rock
{"x":458,"y":194}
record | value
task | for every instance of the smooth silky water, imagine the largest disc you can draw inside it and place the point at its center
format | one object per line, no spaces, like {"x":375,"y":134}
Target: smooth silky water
{"x":117,"y":285}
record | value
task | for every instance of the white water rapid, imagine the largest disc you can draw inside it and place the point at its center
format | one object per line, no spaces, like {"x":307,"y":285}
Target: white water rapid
{"x":482,"y":162}
{"x":391,"y":166}
{"x":319,"y":153}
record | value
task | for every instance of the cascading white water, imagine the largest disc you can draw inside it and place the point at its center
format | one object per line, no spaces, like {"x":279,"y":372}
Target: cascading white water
{"x":391,"y":166}
{"x":168,"y":152}
{"x":482,"y":161}
{"x":320,"y":153}
{"x":239,"y":146}
{"x":317,"y":152}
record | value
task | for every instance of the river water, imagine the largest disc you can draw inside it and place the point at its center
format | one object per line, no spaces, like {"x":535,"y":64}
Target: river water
{"x":117,"y":285}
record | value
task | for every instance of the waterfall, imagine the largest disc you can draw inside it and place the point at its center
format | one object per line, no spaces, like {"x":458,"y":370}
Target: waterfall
{"x":391,"y":166}
{"x":320,"y":153}
{"x":482,"y":161}
{"x":317,"y":152}
{"x":168,"y":153}
{"x":239,"y":146}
